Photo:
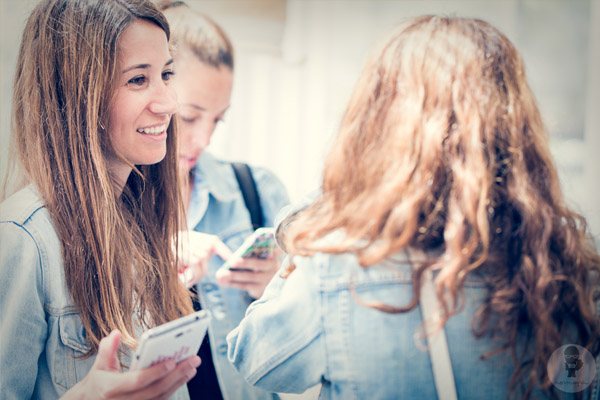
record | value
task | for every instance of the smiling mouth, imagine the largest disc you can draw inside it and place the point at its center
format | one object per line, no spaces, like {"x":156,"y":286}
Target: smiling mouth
{"x":153,"y":130}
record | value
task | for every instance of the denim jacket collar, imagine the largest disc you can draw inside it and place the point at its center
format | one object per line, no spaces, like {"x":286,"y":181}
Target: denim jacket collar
{"x":210,"y":180}
{"x":208,"y":175}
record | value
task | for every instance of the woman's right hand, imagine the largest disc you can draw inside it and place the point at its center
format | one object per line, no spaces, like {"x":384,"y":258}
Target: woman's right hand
{"x":195,"y":251}
{"x":106,"y":381}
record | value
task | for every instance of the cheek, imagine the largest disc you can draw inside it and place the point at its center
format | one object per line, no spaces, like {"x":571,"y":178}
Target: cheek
{"x":185,"y":132}
{"x":115,"y":125}
{"x":125,"y":107}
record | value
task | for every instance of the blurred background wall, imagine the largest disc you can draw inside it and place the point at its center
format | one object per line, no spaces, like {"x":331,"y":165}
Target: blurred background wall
{"x":298,"y":60}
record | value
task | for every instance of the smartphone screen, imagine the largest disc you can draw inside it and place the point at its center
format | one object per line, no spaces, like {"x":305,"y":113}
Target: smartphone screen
{"x":261,"y":244}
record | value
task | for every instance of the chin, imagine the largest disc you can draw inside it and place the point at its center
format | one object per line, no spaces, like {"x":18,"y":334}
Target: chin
{"x":153,"y":159}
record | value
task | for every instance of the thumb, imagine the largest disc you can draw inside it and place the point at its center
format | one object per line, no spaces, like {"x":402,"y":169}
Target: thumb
{"x":107,"y":359}
{"x":221,"y":249}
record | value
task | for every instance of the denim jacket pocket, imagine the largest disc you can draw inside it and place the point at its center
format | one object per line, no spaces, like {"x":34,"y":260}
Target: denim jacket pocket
{"x":70,"y":364}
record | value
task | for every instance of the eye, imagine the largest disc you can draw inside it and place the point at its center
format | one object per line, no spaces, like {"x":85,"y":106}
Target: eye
{"x":188,"y":120}
{"x":167,"y":75}
{"x":137,"y":80}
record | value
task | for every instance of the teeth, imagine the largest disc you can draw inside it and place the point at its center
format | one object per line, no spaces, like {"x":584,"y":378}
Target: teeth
{"x":154,"y":130}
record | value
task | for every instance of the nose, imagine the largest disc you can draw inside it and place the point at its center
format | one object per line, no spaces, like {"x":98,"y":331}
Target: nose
{"x":164,"y":100}
{"x":194,"y":138}
{"x":201,"y":135}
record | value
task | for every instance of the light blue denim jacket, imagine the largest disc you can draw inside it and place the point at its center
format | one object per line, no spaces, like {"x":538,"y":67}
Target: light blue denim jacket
{"x":217,"y":207}
{"x":42,"y":338}
{"x":310,"y":329}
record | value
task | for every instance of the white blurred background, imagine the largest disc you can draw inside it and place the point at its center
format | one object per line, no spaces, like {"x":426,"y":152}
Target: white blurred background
{"x":297,"y":62}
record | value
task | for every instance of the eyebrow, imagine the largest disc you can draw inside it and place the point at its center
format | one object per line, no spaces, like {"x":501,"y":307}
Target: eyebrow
{"x":143,"y":66}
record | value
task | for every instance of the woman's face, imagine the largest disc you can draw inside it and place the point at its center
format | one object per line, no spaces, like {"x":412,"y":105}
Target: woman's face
{"x":144,"y":101}
{"x":204,"y":94}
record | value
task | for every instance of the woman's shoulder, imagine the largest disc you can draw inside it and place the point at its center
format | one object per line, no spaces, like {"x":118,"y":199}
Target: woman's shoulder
{"x":26,"y":225}
{"x":221,"y":181}
{"x":22,"y":206}
{"x":210,"y":166}
{"x":342,"y":271}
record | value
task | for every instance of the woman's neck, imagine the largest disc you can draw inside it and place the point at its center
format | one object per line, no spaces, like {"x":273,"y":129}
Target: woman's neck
{"x":120,"y":171}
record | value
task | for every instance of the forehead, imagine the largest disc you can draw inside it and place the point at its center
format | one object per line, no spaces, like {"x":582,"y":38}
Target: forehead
{"x":143,"y":42}
{"x":197,"y":82}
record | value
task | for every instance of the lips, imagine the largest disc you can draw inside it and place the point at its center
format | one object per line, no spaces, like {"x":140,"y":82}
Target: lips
{"x":189,"y":161}
{"x":154,"y":130}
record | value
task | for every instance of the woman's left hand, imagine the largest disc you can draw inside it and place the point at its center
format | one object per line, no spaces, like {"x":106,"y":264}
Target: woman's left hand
{"x":250,"y":274}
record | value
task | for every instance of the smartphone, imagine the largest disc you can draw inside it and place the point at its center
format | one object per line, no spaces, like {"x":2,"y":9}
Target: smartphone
{"x":260,"y":244}
{"x":175,"y":340}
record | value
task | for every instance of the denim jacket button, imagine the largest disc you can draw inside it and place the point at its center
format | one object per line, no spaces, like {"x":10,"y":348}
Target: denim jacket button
{"x":214,"y":297}
{"x":218,"y":312}
{"x":209,"y":287}
{"x":222,"y":349}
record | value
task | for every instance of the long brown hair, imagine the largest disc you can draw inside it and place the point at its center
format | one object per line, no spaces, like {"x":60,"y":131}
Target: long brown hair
{"x":117,"y":245}
{"x":442,"y":149}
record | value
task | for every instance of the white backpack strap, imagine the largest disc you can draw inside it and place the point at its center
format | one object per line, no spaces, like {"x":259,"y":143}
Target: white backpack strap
{"x":436,"y":342}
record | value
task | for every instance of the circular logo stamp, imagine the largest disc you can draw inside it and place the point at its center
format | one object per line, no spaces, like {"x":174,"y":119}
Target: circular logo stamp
{"x":571,"y":368}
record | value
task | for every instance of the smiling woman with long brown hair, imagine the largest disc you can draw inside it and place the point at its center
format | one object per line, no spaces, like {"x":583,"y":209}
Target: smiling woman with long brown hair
{"x":441,"y":166}
{"x":87,"y":244}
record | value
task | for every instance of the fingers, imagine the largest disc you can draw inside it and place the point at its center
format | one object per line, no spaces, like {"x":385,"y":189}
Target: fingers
{"x":132,"y":382}
{"x":254,"y":282}
{"x":221,"y":249}
{"x":205,"y":244}
{"x":196,"y":249}
{"x":255,"y":264}
{"x":188,"y":277}
{"x":164,"y":387}
{"x":229,"y":277}
{"x":107,"y":358}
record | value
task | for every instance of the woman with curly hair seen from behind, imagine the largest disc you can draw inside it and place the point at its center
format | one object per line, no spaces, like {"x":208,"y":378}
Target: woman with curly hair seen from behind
{"x":438,"y":198}
{"x":86,"y":262}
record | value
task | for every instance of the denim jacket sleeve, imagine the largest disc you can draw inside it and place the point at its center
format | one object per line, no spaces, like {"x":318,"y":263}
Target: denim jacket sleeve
{"x":282,"y":334}
{"x":22,"y":310}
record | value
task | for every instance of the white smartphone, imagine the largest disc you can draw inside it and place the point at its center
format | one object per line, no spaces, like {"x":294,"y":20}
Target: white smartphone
{"x":175,"y":340}
{"x":260,"y":244}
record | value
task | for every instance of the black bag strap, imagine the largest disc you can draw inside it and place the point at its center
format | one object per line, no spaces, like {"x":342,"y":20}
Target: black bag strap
{"x":247,"y":185}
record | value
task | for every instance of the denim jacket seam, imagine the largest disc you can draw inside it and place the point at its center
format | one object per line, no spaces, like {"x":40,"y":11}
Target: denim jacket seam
{"x":345,"y":310}
{"x":41,"y":254}
{"x":61,"y":311}
{"x":280,"y":356}
{"x":328,"y":286}
{"x":24,"y":217}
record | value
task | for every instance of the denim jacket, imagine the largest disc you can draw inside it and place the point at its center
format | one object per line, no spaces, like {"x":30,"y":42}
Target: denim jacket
{"x":316,"y":327}
{"x":217,"y":207}
{"x":42,"y":338}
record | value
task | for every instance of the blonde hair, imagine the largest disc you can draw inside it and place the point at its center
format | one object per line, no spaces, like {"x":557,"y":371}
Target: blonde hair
{"x":198,"y":33}
{"x":117,"y":247}
{"x":442,"y":148}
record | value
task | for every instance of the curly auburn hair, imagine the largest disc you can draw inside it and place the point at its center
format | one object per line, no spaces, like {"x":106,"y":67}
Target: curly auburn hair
{"x":442,"y":149}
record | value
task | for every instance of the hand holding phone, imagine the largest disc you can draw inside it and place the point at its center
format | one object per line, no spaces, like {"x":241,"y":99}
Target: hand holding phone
{"x":261,"y":245}
{"x":175,"y":340}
